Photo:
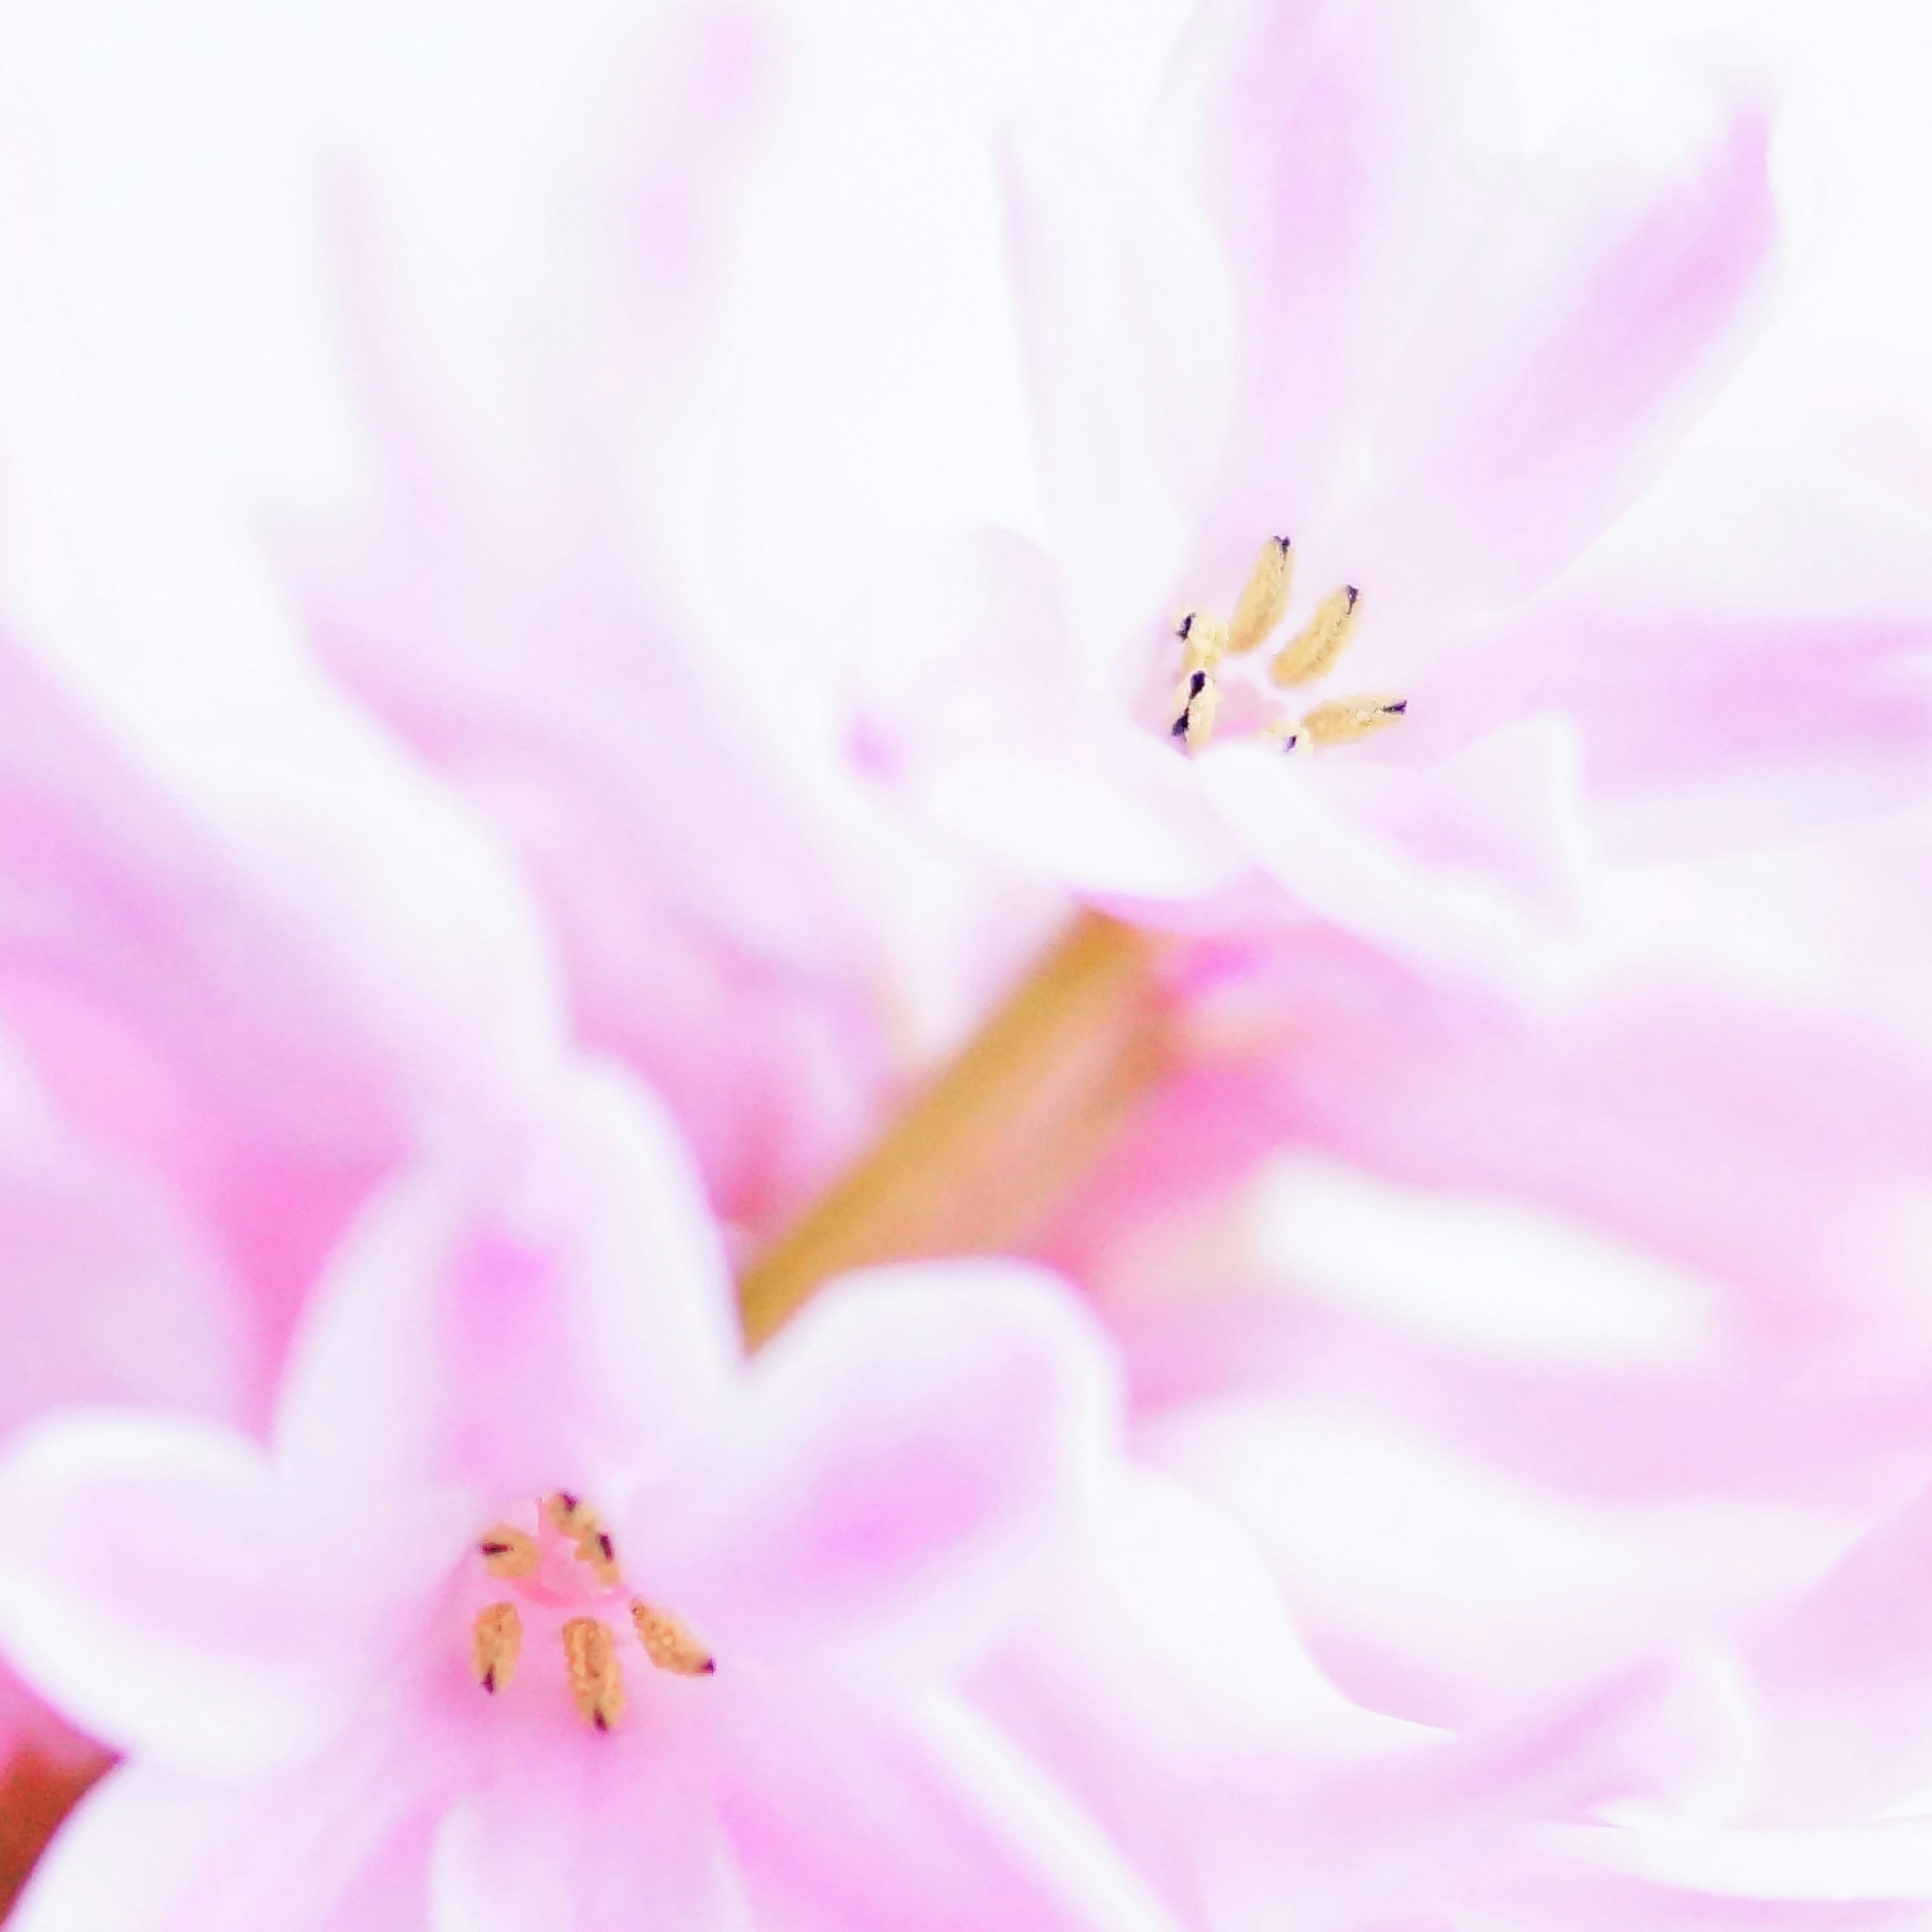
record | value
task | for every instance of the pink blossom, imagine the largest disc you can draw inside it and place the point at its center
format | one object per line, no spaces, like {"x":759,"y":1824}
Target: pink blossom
{"x":248,"y":955}
{"x":1333,"y":303}
{"x":517,"y":1407}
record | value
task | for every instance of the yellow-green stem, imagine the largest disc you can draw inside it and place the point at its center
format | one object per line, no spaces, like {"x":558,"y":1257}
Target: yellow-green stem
{"x":975,"y":1161}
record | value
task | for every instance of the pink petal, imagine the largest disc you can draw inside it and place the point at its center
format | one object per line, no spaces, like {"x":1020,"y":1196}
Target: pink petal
{"x":165,"y":1593}
{"x":845,"y":1822}
{"x":1847,"y":1864}
{"x":1346,"y":150}
{"x":1432,"y":1585}
{"x":577,"y":1841}
{"x":1161,"y":1669}
{"x":1124,"y":313}
{"x":341,"y":1845}
{"x":991,"y":725}
{"x":109,"y":1289}
{"x":903,"y":1461}
{"x":557,"y":1316}
{"x":1420,"y":866}
{"x":1549,"y":382}
{"x":1746,"y":652}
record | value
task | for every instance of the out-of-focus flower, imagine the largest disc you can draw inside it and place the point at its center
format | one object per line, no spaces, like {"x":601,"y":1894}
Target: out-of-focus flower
{"x":736,"y":916}
{"x":1337,"y":307}
{"x":543,"y":1609}
{"x":249,"y":955}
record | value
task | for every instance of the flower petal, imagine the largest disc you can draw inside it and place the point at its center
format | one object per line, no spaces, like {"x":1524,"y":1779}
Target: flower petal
{"x":109,"y":1290}
{"x":1557,"y":371}
{"x":1346,"y":150}
{"x":157,"y":1587}
{"x":1431,"y":871}
{"x":1746,"y":651}
{"x":1124,"y":314}
{"x":930,"y":1820}
{"x":573,"y":1840}
{"x":340,"y":1846}
{"x":559,"y":1317}
{"x":905,"y":1457}
{"x":196,"y":822}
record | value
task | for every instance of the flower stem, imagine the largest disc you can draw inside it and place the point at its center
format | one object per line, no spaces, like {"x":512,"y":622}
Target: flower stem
{"x":977,"y":1158}
{"x":36,"y":1793}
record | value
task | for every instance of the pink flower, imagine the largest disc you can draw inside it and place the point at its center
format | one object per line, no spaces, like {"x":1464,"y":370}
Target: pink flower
{"x":1333,"y":305}
{"x":248,"y":955}
{"x":450,"y":1646}
{"x":1521,"y":1352}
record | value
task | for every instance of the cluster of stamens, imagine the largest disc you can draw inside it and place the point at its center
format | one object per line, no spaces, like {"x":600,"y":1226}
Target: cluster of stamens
{"x":1310,"y":654}
{"x":590,"y":1645}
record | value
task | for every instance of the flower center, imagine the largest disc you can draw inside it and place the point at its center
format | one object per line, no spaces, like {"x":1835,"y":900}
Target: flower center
{"x":1208,"y":645}
{"x":563,"y":1563}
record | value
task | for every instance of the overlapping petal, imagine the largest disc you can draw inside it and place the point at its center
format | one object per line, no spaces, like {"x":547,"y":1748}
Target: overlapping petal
{"x":553,"y":1313}
{"x":895,"y":1475}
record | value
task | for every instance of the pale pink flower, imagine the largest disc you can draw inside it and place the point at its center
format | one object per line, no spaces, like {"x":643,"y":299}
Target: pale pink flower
{"x":1521,"y":1350}
{"x":1820,"y":1735}
{"x":249,"y":956}
{"x":1333,"y":305}
{"x":736,"y":917}
{"x":395,"y":1668}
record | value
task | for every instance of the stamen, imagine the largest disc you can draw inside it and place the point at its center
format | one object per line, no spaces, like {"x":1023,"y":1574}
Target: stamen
{"x":568,"y":1512}
{"x":1206,"y":638}
{"x":1264,"y":597}
{"x":596,"y":1549}
{"x":1313,"y":651}
{"x":668,"y":1644}
{"x":590,"y":1655}
{"x":496,"y":1644}
{"x":1198,"y":699}
{"x":509,"y":1552}
{"x":1343,"y":720}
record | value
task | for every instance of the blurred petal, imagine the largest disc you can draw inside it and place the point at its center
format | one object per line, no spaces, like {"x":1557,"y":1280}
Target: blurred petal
{"x":568,"y":1843}
{"x":931,"y":1822}
{"x":559,"y":1317}
{"x":1124,"y":312}
{"x":340,"y":1845}
{"x":905,"y":1457}
{"x":158,"y":1587}
{"x":1550,"y":382}
{"x":1347,"y":150}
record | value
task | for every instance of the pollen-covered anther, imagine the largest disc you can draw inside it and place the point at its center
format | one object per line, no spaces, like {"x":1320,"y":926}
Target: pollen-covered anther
{"x":595,"y":1548}
{"x":596,"y":1684}
{"x":1314,"y":650}
{"x":1206,"y":638}
{"x":1343,"y":720}
{"x":1263,"y":598}
{"x":496,"y":1643}
{"x":668,"y":1643}
{"x":1196,"y":699}
{"x":570,"y":1513}
{"x":508,"y":1552}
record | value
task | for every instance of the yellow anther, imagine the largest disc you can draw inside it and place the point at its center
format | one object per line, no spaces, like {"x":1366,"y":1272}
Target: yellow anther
{"x":594,"y":1547}
{"x":1206,"y":638}
{"x":495,"y":1645}
{"x":590,"y":1656}
{"x":570,"y":1514}
{"x":508,"y":1552}
{"x":1312,"y":653}
{"x":1345,"y":719}
{"x":668,"y":1644}
{"x":1196,"y":699}
{"x":1264,"y":597}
